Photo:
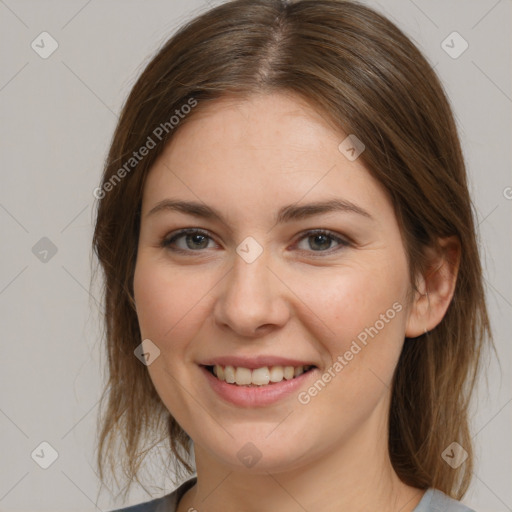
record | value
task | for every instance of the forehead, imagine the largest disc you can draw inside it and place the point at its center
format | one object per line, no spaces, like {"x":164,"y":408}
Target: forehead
{"x":256,"y":120}
{"x":264,"y":150}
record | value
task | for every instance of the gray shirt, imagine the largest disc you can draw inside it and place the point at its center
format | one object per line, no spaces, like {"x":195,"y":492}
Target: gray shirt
{"x":433,"y":501}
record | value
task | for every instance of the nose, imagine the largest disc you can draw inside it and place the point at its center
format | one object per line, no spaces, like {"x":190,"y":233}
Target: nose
{"x":252,"y":301}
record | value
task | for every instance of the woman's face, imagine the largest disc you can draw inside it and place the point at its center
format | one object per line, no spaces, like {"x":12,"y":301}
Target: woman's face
{"x":252,"y":290}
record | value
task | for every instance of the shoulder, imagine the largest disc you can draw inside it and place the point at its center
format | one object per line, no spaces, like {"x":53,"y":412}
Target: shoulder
{"x":148,"y":506}
{"x":435,"y":500}
{"x":167,"y":503}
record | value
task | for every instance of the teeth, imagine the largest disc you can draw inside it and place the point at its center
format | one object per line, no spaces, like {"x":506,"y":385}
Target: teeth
{"x":229,"y":375}
{"x":276,"y":374}
{"x":259,"y":376}
{"x":243,"y":376}
{"x":288,"y":372}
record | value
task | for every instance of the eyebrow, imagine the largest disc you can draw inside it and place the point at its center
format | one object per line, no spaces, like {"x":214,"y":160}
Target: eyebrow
{"x":286,"y":214}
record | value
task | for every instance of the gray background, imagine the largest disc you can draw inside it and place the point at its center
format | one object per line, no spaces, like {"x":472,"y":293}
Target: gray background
{"x":58,"y":115}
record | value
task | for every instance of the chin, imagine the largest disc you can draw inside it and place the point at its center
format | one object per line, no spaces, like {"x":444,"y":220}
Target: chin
{"x":260,"y":454}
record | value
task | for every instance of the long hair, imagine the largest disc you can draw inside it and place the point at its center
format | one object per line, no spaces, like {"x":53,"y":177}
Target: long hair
{"x":365,"y":77}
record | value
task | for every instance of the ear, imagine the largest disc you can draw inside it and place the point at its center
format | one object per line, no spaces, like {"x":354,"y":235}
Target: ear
{"x":435,"y":287}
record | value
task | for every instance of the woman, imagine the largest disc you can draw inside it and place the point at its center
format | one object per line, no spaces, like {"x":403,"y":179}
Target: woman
{"x":292,"y":280}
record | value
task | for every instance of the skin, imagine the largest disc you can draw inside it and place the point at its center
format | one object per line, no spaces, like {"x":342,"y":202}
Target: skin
{"x":248,"y":158}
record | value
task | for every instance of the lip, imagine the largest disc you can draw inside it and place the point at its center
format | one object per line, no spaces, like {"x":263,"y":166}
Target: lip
{"x":252,"y":363}
{"x":261,"y":396}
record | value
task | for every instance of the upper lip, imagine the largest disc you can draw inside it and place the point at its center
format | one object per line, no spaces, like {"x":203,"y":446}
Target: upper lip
{"x":254,"y":362}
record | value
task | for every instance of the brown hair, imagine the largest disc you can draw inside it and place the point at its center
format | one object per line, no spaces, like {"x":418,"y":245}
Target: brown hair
{"x":367,"y":78}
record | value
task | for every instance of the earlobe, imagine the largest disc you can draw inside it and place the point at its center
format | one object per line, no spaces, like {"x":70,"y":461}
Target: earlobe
{"x":417,"y":321}
{"x":435,"y":288}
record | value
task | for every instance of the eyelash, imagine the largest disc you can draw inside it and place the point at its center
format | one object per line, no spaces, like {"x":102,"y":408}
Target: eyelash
{"x":169,"y":240}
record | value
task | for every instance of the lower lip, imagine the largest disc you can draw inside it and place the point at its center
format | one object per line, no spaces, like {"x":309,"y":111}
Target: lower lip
{"x":256,"y":396}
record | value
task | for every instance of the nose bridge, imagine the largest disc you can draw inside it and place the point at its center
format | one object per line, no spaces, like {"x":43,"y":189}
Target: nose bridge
{"x":250,"y":276}
{"x":251,"y":297}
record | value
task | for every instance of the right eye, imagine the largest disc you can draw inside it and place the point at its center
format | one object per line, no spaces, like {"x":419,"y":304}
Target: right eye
{"x":187,"y":240}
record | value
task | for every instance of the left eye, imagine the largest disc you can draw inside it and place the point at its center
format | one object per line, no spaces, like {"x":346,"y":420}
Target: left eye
{"x":321,"y":241}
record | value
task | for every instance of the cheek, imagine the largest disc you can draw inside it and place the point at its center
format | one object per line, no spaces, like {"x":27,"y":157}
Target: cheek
{"x":359,"y":325}
{"x":347,"y":300}
{"x":169,"y":301}
{"x":359,"y":322}
{"x":170,"y":308}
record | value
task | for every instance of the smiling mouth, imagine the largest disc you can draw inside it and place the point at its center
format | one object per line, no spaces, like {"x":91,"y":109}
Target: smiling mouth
{"x":239,"y":376}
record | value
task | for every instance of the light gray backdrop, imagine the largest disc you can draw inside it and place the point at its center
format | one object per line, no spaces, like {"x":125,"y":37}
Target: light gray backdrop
{"x":58,"y":113}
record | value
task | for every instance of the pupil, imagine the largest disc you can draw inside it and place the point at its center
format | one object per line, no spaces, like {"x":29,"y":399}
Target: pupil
{"x":324,"y":238}
{"x":196,"y":238}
